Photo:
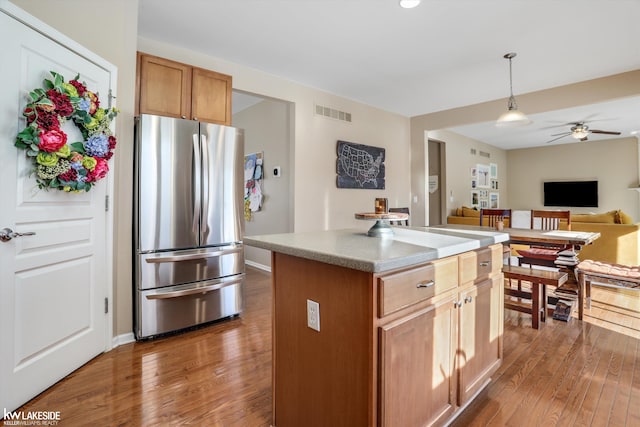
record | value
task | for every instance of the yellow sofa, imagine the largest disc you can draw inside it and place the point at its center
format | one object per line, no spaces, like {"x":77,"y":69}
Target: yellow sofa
{"x":468,"y":216}
{"x":619,"y":240}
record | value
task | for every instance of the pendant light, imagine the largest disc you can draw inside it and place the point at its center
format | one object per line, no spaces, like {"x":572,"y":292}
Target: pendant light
{"x":409,"y":4}
{"x":512,"y":117}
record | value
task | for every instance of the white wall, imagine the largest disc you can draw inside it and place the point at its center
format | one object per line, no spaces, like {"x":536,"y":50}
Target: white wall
{"x":459,"y":161}
{"x":266,"y":129}
{"x":318,"y":203}
{"x":613,"y":163}
{"x":582,"y":93}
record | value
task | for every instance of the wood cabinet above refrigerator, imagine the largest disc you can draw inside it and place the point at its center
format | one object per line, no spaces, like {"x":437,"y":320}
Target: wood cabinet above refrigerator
{"x":170,"y":88}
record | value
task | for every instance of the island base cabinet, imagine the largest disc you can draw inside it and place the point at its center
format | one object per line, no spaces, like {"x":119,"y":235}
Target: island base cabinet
{"x":321,"y":378}
{"x":417,"y":382}
{"x":481,"y":328}
{"x":407,"y":347}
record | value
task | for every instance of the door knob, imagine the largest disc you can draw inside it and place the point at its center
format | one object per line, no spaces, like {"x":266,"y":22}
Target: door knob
{"x":7,"y":234}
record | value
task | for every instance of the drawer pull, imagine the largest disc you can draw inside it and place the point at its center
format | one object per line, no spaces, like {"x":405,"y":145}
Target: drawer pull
{"x":428,"y":284}
{"x":485,"y":263}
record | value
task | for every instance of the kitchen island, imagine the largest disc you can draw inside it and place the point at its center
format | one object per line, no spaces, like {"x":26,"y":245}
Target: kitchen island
{"x":395,"y":331}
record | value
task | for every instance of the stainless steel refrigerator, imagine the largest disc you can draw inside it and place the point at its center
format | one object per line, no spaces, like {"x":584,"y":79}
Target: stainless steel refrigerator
{"x":188,"y":225}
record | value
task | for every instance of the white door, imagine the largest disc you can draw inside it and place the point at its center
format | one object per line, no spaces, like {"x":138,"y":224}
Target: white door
{"x":53,"y":284}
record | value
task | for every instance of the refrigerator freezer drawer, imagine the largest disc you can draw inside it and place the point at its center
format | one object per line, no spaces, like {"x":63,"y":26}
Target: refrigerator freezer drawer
{"x":170,"y":309}
{"x":162,"y":269}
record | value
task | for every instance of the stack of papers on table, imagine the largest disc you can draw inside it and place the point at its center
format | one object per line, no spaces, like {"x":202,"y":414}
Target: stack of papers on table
{"x":567,"y":257}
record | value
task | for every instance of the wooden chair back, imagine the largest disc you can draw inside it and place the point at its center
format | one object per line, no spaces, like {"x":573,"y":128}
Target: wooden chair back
{"x":550,"y":220}
{"x":494,"y":215}
{"x":402,"y":221}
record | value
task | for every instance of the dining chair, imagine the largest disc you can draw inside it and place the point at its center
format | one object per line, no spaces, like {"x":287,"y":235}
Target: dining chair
{"x":401,"y":221}
{"x":493,"y":216}
{"x":544,"y":256}
{"x":549,"y":220}
{"x":545,"y":220}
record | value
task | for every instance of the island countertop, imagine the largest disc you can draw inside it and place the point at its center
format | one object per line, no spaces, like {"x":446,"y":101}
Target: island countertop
{"x":352,"y":248}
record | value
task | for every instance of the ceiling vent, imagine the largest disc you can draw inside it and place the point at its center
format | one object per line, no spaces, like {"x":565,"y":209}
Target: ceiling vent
{"x":332,"y":113}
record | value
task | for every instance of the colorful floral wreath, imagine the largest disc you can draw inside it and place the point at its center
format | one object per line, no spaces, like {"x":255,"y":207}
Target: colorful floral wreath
{"x":75,"y":166}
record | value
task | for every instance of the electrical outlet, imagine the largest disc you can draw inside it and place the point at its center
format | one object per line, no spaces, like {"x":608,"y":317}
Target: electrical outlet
{"x":313,"y":315}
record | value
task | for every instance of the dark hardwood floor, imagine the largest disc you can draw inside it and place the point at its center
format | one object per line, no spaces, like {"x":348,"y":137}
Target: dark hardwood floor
{"x":567,"y":373}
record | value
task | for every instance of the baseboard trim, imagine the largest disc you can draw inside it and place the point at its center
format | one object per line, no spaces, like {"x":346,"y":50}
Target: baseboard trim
{"x":254,"y":264}
{"x":119,"y":340}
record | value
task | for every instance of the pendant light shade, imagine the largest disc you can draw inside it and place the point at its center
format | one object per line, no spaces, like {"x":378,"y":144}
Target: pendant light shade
{"x":512,"y":117}
{"x":409,"y":4}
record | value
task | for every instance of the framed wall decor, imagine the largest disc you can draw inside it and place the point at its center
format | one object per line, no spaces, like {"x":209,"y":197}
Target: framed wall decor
{"x":493,"y":174}
{"x":360,"y":166}
{"x":494,"y":200}
{"x":475,"y":199}
{"x":483,"y":175}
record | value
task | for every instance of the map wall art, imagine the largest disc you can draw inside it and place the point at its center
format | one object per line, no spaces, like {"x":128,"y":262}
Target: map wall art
{"x":360,"y":166}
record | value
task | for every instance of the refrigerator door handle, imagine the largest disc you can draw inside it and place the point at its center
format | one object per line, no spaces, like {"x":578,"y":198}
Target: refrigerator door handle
{"x":205,"y":187}
{"x":201,"y":290}
{"x":196,"y":184}
{"x":192,"y":256}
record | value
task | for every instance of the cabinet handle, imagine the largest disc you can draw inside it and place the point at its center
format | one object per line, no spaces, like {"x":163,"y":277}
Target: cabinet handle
{"x":485,"y":263}
{"x":468,"y":299}
{"x":195,"y":118}
{"x":428,"y":284}
{"x":457,"y":304}
{"x":184,"y":117}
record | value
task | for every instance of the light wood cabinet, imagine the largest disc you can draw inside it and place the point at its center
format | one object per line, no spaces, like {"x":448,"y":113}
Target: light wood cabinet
{"x":170,"y":88}
{"x":417,"y":372}
{"x":480,"y":335}
{"x":405,"y":348}
{"x":434,"y":360}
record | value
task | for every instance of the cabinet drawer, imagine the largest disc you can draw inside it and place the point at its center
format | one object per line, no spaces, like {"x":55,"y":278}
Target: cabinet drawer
{"x":480,"y":263}
{"x":400,"y":290}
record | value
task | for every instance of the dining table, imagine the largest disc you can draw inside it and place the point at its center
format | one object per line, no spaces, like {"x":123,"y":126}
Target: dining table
{"x":572,"y":241}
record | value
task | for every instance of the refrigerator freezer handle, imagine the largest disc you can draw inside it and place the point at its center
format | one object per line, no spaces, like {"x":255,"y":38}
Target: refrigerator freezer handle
{"x":196,"y":183}
{"x":204,"y":231}
{"x":202,"y":290}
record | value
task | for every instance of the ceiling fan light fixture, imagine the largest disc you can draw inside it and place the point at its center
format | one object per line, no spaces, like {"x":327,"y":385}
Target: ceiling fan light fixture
{"x":580,"y":133}
{"x":409,"y":4}
{"x":512,"y":117}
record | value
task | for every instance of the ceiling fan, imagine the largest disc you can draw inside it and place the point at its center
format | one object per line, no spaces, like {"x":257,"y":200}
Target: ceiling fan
{"x":580,"y":131}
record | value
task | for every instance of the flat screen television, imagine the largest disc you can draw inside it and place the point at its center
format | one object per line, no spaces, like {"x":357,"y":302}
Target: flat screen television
{"x":571,"y":193}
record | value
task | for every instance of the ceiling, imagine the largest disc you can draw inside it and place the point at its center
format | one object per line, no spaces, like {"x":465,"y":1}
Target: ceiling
{"x":443,"y":54}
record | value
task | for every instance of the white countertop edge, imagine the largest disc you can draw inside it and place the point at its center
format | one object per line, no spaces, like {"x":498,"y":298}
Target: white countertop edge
{"x":352,"y":248}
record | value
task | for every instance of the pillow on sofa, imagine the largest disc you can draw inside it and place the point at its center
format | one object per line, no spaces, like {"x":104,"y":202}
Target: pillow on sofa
{"x":624,"y":218}
{"x":608,"y":217}
{"x":470,"y":212}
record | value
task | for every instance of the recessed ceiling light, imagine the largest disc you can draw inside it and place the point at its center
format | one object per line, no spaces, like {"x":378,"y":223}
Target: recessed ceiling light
{"x":409,"y":4}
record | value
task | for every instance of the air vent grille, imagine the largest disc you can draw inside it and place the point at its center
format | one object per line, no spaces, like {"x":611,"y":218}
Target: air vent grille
{"x":332,"y":113}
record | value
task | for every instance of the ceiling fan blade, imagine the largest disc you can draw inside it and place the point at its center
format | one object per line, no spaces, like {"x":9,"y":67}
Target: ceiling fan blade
{"x":605,"y":132}
{"x":584,"y":139}
{"x":560,"y":137}
{"x":563,"y":133}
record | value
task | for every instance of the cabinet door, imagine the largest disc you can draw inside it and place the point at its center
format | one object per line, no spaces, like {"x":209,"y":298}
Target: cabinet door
{"x":480,"y":352}
{"x":211,"y":97}
{"x":165,"y":87}
{"x":417,"y":376}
